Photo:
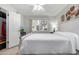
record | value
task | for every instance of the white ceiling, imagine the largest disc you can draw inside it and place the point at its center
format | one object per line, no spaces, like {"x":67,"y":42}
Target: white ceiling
{"x":50,"y":9}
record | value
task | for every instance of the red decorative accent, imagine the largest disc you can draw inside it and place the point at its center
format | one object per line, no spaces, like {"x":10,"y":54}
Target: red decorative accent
{"x":4,"y":28}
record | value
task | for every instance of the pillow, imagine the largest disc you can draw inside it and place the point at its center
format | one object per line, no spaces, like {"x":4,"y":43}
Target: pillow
{"x":41,"y":32}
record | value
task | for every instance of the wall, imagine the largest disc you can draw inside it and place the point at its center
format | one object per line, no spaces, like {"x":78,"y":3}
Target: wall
{"x":70,"y":26}
{"x":66,"y":25}
{"x":62,"y":12}
{"x":13,"y":25}
{"x":26,"y":24}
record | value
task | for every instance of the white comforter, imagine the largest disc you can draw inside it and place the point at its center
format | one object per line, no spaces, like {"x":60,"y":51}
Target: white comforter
{"x":47,"y":43}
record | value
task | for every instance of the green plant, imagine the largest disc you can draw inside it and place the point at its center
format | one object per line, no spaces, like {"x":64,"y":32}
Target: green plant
{"x":21,"y":30}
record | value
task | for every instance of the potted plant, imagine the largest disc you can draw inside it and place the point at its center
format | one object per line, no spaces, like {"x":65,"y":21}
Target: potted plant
{"x":22,"y":32}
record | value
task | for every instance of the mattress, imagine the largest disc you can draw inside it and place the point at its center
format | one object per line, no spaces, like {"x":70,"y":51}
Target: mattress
{"x":49,"y":43}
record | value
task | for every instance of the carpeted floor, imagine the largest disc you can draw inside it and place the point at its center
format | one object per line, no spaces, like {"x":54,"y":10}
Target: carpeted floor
{"x":11,"y":51}
{"x":15,"y":51}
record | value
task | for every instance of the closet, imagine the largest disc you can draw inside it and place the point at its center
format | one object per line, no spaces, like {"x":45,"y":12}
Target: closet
{"x":9,"y":31}
{"x":2,"y":30}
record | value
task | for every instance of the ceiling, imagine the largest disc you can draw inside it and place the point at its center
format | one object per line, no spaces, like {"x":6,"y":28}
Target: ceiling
{"x":50,"y":9}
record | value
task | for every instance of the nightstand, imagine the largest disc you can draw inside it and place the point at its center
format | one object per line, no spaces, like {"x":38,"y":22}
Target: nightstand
{"x":22,"y":34}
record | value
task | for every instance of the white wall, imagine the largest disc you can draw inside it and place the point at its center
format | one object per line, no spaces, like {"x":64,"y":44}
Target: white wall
{"x":70,"y":26}
{"x":13,"y":25}
{"x":26,"y":24}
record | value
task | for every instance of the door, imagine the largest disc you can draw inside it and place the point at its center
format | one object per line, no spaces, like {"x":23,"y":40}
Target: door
{"x":14,"y":26}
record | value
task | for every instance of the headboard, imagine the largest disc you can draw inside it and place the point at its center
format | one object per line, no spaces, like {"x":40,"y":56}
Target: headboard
{"x":70,"y":26}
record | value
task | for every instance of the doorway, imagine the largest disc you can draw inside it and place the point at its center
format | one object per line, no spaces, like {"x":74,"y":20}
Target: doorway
{"x":2,"y":29}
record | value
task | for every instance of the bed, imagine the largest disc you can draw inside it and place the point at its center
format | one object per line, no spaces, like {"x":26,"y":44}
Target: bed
{"x":50,"y":43}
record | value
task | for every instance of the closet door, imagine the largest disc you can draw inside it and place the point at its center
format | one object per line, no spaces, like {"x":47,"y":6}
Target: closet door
{"x":14,"y":26}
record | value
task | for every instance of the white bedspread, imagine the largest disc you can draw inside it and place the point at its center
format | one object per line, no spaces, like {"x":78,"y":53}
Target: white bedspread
{"x":48,"y":43}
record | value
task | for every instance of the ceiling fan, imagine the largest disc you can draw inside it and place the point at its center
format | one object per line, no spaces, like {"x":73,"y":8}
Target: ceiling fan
{"x":38,"y":8}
